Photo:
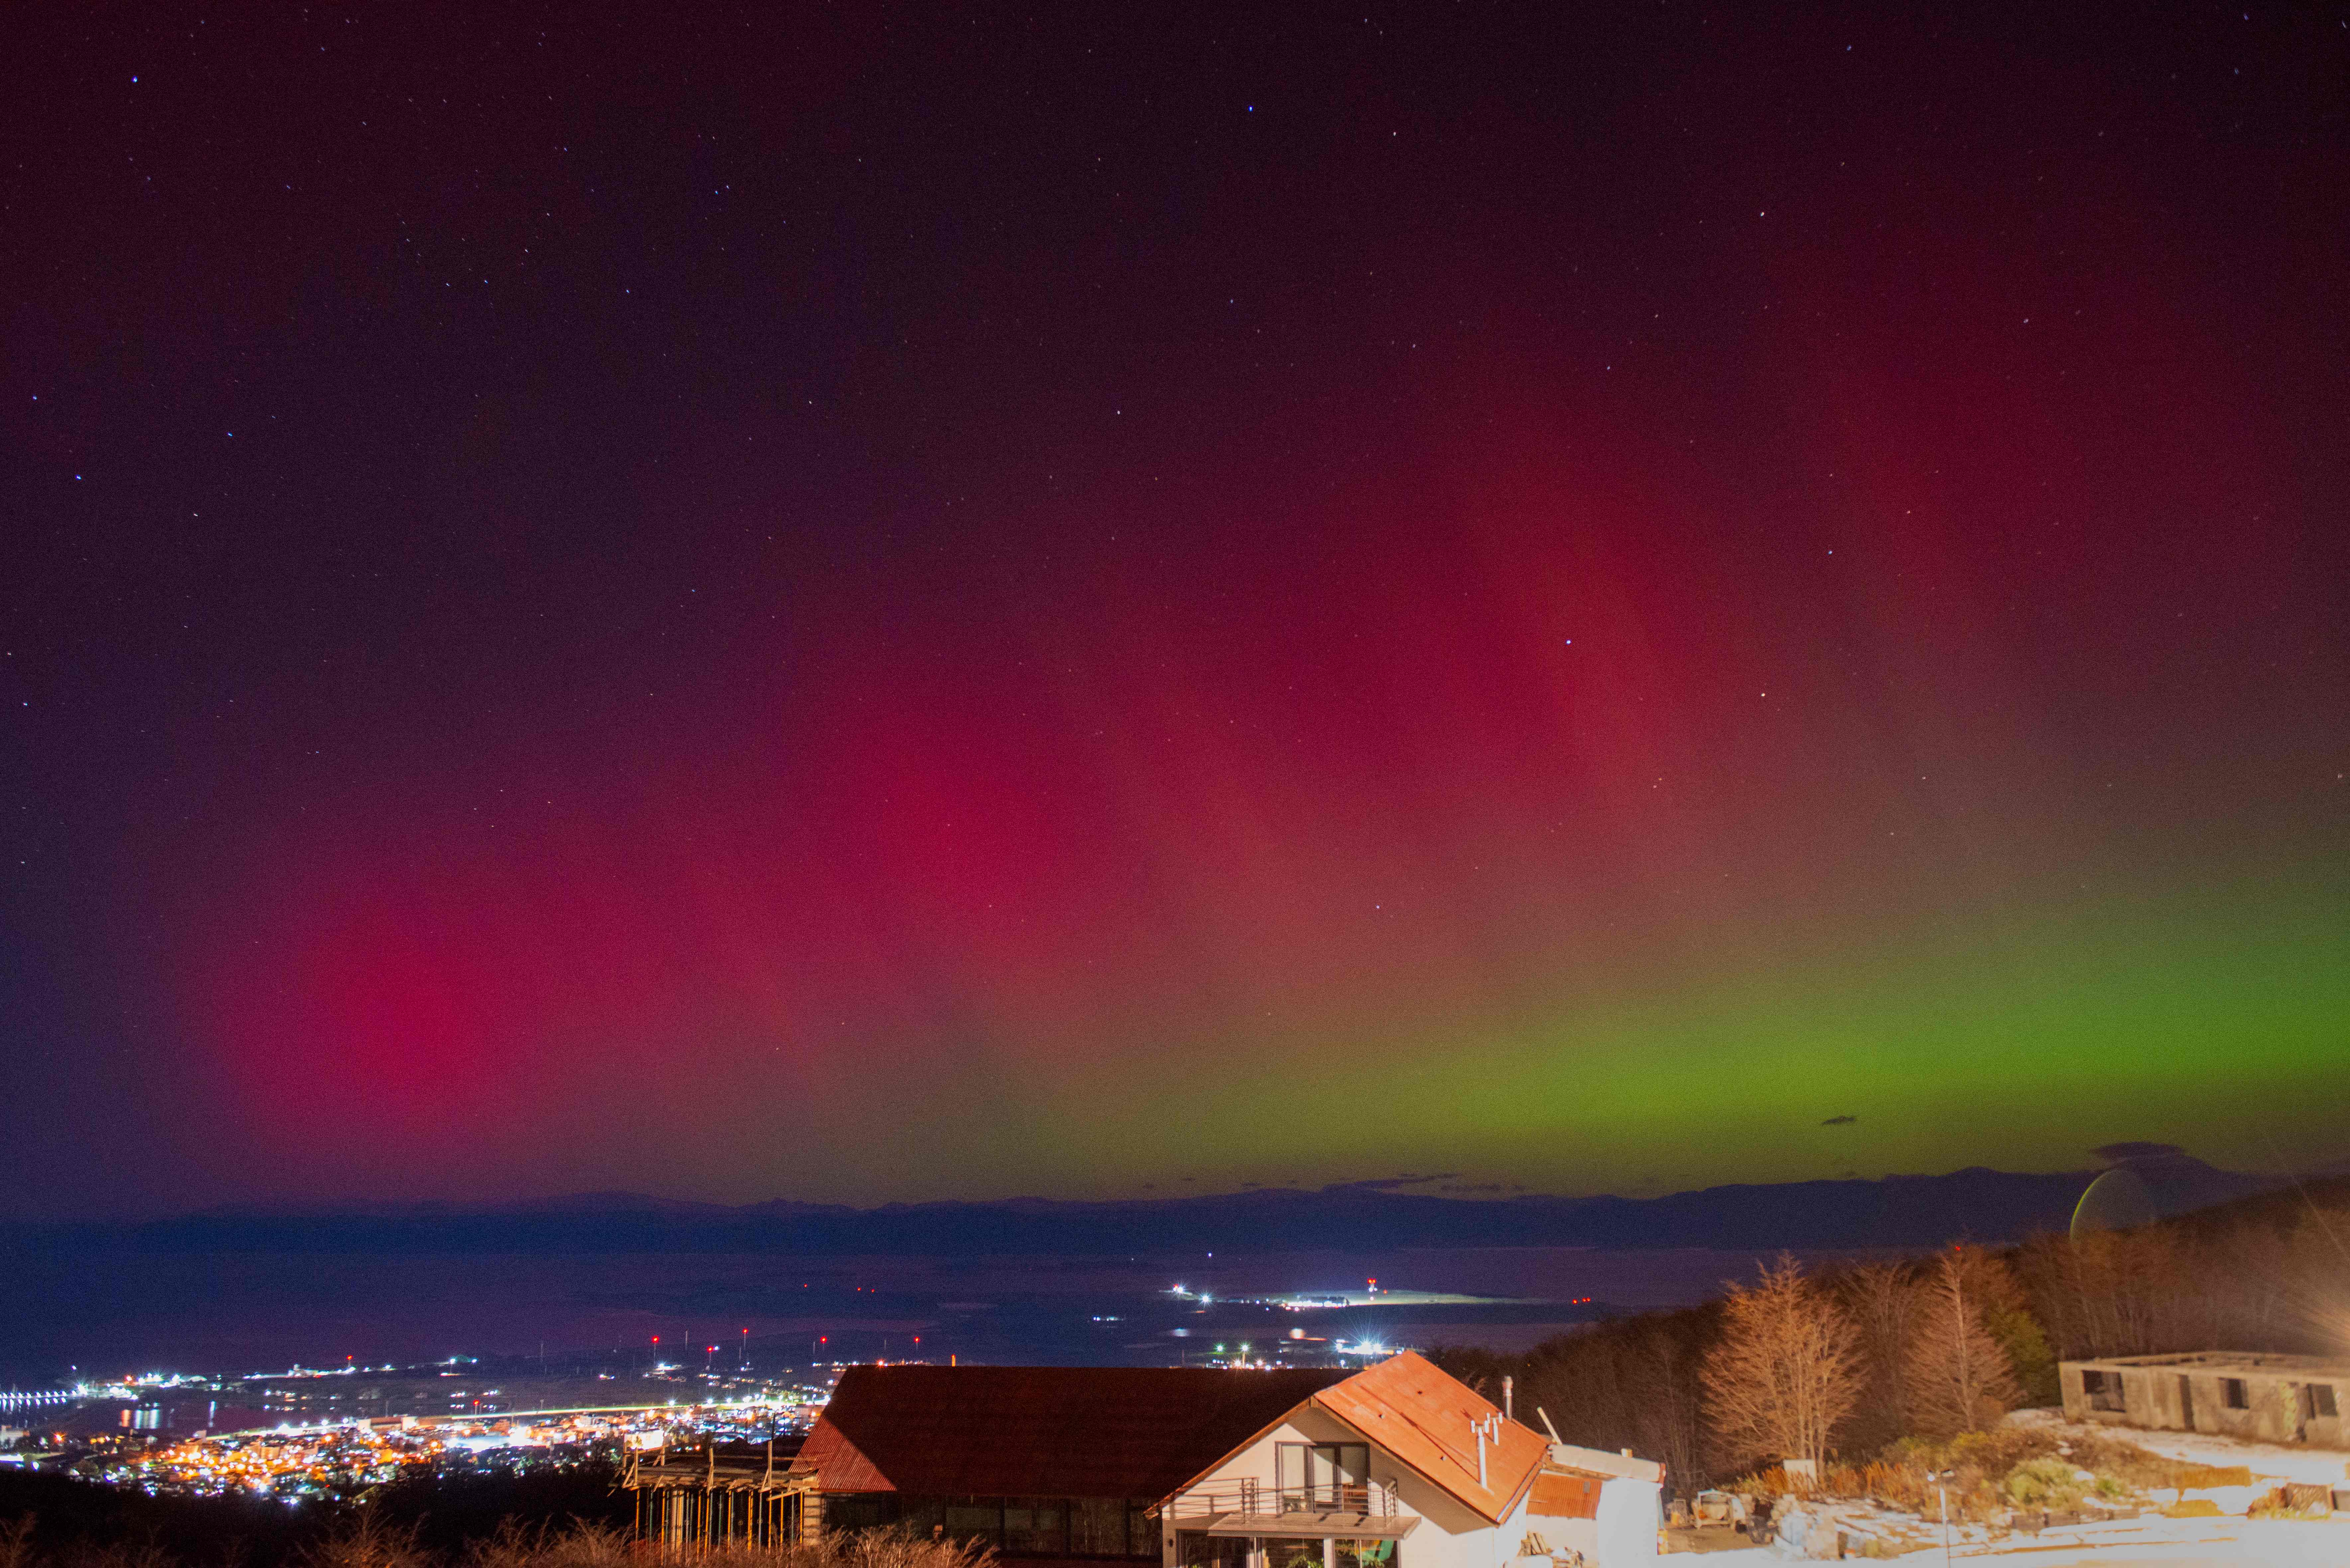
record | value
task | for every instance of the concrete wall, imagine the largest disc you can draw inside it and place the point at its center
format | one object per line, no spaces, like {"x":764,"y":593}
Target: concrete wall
{"x":2194,"y":1399}
{"x":1629,"y":1513}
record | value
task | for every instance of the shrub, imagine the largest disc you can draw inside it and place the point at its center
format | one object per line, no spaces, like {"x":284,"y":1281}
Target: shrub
{"x":2051,"y":1482}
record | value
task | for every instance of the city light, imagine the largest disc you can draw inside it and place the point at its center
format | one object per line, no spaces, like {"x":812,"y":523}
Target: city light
{"x":294,"y":1462}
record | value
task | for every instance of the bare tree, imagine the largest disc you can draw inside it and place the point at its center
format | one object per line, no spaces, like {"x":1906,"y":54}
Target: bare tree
{"x":2128,"y":1293}
{"x":1882,"y":1299}
{"x":1787,"y":1372}
{"x":1668,"y":1367}
{"x":1959,"y":1379}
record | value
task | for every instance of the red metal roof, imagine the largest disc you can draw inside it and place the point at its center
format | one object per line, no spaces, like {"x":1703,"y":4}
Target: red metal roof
{"x":1427,"y":1418}
{"x":1050,"y":1431}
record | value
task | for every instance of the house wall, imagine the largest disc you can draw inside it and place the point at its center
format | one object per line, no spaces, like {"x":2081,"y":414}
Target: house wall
{"x":1451,"y":1534}
{"x":1629,"y":1513}
{"x":1621,"y":1530}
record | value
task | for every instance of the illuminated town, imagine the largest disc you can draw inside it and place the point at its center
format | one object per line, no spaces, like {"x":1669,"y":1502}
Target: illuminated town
{"x":128,"y":1431}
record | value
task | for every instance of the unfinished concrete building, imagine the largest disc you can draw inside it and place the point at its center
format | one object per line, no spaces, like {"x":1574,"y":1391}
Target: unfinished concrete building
{"x":2229,"y":1393}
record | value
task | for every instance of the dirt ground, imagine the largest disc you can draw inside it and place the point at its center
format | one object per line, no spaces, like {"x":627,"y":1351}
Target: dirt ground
{"x":1711,"y":1538}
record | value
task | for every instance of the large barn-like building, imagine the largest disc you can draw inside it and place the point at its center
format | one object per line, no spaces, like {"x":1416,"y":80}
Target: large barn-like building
{"x":1395,"y":1465}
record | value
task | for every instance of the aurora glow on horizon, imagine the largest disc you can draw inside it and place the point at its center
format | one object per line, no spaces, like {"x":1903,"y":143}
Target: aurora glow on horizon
{"x":1640,"y":669}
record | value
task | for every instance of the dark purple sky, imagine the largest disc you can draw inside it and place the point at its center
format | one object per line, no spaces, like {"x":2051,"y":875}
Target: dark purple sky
{"x":867,"y":604}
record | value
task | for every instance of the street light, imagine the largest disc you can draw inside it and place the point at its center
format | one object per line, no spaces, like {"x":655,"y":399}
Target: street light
{"x":1941,"y":1489}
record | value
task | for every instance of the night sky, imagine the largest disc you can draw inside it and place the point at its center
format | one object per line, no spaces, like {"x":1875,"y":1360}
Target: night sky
{"x":864,"y":603}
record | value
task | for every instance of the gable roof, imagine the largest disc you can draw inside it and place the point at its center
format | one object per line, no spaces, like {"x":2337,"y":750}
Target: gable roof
{"x":1143,"y":1432}
{"x":1057,"y":1431}
{"x":1426,"y":1417}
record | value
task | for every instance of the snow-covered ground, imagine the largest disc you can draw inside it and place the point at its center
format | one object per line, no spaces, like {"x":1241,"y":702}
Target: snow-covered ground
{"x":2175,"y":1542}
{"x":2230,"y":1541}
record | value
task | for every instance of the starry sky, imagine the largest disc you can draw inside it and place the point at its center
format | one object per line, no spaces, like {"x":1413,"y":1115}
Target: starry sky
{"x":879,"y":603}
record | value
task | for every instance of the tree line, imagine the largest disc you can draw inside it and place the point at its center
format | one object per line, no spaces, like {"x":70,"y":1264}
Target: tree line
{"x":1847,"y":1362}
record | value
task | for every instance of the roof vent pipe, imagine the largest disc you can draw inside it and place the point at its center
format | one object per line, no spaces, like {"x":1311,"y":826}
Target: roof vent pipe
{"x":1509,"y":1403}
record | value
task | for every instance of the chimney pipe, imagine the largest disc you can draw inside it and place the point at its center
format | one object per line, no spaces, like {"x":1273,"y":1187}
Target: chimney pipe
{"x":1509,"y":1403}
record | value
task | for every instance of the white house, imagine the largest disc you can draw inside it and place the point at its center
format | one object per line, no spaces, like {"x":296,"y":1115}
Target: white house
{"x":1395,"y":1465}
{"x":1606,"y":1506}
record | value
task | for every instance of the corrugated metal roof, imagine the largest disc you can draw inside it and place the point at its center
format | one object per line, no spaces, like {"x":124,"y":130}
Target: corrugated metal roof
{"x":1560,"y":1495}
{"x":1426,"y":1417}
{"x":1055,"y":1431}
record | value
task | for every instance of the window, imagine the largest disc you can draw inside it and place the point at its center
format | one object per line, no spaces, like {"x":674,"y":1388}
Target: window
{"x":859,"y":1510}
{"x":1195,"y":1548}
{"x":2103,"y":1389}
{"x":1282,"y":1553}
{"x":921,"y":1515}
{"x":2232,"y":1394}
{"x":2320,"y":1400}
{"x":1095,"y":1527}
{"x":1319,"y":1477}
{"x":1035,"y":1526}
{"x":1306,"y":1552}
{"x":1098,"y":1527}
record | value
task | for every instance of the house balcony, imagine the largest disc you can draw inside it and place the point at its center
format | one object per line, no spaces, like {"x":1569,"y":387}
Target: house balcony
{"x":1250,"y":1508}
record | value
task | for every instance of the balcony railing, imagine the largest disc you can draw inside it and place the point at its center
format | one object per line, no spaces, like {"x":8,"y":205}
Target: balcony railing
{"x":1249,"y":1496}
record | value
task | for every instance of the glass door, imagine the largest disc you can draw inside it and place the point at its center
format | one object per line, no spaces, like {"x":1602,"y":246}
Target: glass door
{"x":1323,"y":1478}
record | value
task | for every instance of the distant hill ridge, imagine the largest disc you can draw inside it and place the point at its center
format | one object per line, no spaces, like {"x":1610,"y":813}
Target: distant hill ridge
{"x":1892,"y":1212}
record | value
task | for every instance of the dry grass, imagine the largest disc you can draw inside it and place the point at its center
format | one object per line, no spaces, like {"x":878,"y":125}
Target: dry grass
{"x":368,"y":1542}
{"x":1990,"y":1472}
{"x":861,"y":1549}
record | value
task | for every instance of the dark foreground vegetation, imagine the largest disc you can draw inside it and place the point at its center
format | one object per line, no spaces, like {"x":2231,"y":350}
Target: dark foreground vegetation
{"x":368,"y":1537}
{"x":62,"y":1519}
{"x":1882,"y":1372}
